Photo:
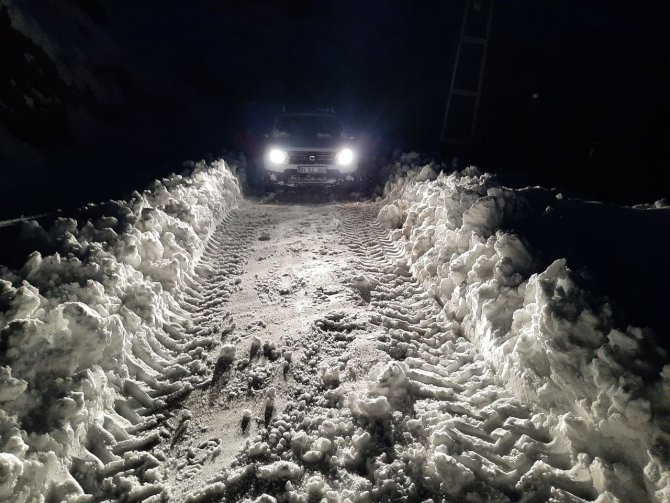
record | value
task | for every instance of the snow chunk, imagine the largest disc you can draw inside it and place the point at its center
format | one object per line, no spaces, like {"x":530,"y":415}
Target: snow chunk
{"x":448,"y":474}
{"x":279,"y":470}
{"x":10,"y":388}
{"x":11,"y":468}
{"x":391,"y":216}
{"x":370,"y":406}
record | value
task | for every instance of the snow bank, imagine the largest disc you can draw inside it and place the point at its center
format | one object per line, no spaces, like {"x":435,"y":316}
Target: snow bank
{"x":551,"y":342}
{"x":94,"y":337}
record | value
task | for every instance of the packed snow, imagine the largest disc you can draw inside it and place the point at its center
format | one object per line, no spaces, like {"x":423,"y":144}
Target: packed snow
{"x":192,"y":346}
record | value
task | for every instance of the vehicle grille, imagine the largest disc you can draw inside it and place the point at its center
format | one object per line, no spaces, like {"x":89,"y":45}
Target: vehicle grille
{"x":312,"y":157}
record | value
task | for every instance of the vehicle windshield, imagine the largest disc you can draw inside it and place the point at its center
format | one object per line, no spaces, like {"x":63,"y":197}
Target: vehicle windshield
{"x":302,"y":126}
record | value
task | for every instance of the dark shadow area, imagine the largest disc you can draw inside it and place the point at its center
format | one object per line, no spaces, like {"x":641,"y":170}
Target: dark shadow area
{"x":98,"y":102}
{"x":619,"y":252}
{"x":577,"y":94}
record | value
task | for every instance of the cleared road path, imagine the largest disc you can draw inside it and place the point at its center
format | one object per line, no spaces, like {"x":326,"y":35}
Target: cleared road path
{"x":337,"y":377}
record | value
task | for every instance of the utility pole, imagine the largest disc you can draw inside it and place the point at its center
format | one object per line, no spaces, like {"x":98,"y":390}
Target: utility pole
{"x":467,"y":77}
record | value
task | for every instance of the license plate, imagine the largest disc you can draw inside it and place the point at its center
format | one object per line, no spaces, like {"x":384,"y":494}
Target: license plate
{"x":312,"y":170}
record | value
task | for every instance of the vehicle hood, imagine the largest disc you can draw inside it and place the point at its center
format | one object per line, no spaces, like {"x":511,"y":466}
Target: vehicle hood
{"x":308,"y":142}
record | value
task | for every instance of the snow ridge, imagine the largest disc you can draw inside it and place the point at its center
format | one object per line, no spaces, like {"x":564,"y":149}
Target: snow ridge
{"x":551,"y":343}
{"x":95,"y":339}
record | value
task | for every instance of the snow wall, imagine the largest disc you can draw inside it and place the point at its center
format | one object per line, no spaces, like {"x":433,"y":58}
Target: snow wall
{"x":551,"y":343}
{"x":94,"y":339}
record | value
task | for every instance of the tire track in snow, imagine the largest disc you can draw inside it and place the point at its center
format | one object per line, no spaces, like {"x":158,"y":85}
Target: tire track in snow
{"x":217,"y":278}
{"x":292,"y":283}
{"x":316,"y":330}
{"x":180,"y":361}
{"x":483,"y":435}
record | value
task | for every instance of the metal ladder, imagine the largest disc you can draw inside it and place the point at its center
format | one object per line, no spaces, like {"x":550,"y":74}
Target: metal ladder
{"x":460,"y":114}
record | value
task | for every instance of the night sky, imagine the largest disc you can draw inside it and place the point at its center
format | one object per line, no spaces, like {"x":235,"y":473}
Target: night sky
{"x":161,"y":82}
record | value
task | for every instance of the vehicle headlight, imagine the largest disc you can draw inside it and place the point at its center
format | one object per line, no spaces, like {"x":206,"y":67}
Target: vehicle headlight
{"x":277,"y":156}
{"x":345,"y":157}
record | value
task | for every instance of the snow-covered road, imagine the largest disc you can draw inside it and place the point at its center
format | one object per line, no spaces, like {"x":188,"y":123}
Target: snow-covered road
{"x":352,"y":384}
{"x":195,"y":346}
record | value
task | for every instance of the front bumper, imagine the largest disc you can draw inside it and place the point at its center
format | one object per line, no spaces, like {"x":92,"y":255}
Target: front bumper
{"x":292,"y":177}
